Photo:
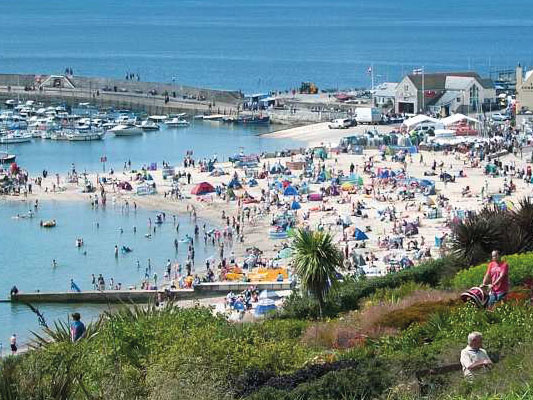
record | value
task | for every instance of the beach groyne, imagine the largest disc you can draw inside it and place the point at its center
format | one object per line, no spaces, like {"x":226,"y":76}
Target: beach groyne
{"x":145,"y":296}
{"x":151,"y":97}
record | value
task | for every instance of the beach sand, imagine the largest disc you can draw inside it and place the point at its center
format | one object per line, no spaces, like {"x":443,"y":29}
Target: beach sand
{"x":256,"y":235}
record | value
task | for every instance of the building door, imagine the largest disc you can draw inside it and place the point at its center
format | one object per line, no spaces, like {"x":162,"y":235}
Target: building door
{"x":408,"y":108}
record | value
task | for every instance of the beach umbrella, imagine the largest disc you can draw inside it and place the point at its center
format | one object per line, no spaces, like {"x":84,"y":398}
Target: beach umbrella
{"x":360,"y":235}
{"x":295,"y":205}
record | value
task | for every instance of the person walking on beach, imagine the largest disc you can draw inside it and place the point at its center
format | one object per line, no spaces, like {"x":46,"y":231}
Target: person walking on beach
{"x":77,"y":328}
{"x":13,"y":343}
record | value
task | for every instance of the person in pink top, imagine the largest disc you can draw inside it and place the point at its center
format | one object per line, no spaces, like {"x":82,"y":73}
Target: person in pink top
{"x":498,"y":276}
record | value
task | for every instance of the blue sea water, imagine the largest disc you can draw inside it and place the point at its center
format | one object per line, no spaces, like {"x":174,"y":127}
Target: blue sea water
{"x":257,"y":45}
{"x":169,"y":144}
{"x":28,"y":251}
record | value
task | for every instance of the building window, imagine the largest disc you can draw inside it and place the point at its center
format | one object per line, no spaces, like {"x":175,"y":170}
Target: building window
{"x":406,"y":88}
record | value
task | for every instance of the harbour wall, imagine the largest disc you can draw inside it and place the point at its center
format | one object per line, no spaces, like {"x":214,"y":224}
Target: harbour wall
{"x":119,"y":94}
{"x":144,"y":296}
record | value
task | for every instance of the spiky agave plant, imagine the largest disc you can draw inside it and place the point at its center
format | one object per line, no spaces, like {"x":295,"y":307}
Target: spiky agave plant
{"x":316,"y":261}
{"x":60,"y":332}
{"x":474,"y":238}
{"x":522,"y":219}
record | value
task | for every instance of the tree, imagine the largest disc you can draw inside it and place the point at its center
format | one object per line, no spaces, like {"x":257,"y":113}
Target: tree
{"x":316,"y":260}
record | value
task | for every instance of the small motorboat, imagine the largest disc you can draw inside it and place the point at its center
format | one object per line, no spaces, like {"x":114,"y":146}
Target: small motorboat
{"x":48,"y":224}
{"x":149,"y":125}
{"x":126,"y":130}
{"x":6,"y":158}
{"x":177,"y":122}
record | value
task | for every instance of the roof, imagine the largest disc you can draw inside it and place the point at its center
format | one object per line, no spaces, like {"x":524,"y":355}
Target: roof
{"x":447,"y":98}
{"x":386,"y":89}
{"x":458,"y":82}
{"x":437,"y":81}
{"x":528,"y":74}
{"x":452,"y":119}
{"x":418,"y":119}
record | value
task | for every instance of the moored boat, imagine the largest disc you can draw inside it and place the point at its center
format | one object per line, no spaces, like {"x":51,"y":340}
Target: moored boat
{"x":126,"y":130}
{"x":17,"y":137}
{"x":6,"y":158}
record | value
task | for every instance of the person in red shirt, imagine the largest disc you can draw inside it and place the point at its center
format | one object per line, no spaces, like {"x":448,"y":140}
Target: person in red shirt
{"x":498,"y":276}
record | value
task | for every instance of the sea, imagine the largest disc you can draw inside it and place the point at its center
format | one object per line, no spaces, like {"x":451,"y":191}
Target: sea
{"x":248,"y":45}
{"x":262,"y":45}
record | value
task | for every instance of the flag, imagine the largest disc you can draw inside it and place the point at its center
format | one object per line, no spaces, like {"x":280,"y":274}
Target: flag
{"x":369,"y":70}
{"x":418,"y":71}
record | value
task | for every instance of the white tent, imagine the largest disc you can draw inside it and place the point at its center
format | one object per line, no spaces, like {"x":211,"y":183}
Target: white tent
{"x":453,"y":119}
{"x":418,"y":119}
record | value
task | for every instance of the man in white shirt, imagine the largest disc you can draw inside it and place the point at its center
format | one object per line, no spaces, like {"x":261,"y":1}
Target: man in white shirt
{"x":474,"y":359}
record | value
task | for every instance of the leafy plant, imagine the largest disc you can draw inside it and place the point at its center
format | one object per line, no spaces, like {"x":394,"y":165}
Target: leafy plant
{"x":316,"y":260}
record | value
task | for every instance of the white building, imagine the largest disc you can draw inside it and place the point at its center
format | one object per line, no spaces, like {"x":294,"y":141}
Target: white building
{"x":384,"y":95}
{"x":445,"y":93}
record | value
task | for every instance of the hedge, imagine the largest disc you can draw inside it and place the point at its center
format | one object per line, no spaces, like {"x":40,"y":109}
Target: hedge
{"x":520,"y":270}
{"x":349,"y":293}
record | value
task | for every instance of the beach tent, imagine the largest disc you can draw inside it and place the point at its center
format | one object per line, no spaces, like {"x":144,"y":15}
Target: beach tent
{"x":347,"y":186}
{"x":269,"y":294}
{"x":276,"y":169}
{"x":264,"y":306}
{"x":125,"y":185}
{"x":217,"y":172}
{"x":252,"y":182}
{"x":290,"y":191}
{"x":285,"y":253}
{"x":235,"y":184}
{"x":202,"y":188}
{"x":295,"y":205}
{"x":417,"y":120}
{"x":360,"y":235}
{"x":315,"y":197}
{"x":455,"y":118}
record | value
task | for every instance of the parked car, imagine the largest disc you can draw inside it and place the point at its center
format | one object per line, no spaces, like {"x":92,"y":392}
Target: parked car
{"x":342,"y":123}
{"x":500,"y":117}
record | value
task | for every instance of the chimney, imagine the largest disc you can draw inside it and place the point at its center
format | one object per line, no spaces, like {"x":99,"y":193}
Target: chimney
{"x":519,"y":76}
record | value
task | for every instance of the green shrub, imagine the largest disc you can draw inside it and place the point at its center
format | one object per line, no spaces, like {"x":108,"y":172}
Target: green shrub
{"x":520,"y":269}
{"x":349,"y":293}
{"x":416,"y":313}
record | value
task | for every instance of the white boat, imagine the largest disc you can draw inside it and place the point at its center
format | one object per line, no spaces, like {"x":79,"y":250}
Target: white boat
{"x":157,"y":118}
{"x":17,"y":137}
{"x":84,"y":136}
{"x":177,"y":122}
{"x":126,"y":130}
{"x":149,"y":125}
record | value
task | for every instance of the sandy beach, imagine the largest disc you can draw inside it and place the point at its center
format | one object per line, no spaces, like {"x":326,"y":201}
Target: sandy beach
{"x":256,"y":230}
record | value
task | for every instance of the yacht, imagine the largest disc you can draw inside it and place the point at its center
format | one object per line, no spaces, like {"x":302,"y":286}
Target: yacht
{"x":149,"y":125}
{"x":176,"y":122}
{"x":126,"y":130}
{"x":85,"y":135}
{"x":17,"y":137}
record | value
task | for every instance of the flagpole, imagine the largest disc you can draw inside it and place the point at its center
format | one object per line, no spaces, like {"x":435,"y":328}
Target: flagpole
{"x":423,"y":91}
{"x":372,"y":74}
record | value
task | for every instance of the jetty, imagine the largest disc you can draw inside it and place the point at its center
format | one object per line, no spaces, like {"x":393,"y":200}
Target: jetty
{"x":151,"y":97}
{"x":203,"y":290}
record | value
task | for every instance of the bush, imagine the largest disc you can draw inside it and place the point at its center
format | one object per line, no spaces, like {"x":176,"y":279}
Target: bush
{"x":520,"y":271}
{"x":416,"y":313}
{"x":350,"y":292}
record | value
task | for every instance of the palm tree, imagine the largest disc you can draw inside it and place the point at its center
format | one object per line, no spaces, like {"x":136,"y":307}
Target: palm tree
{"x":316,"y":259}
